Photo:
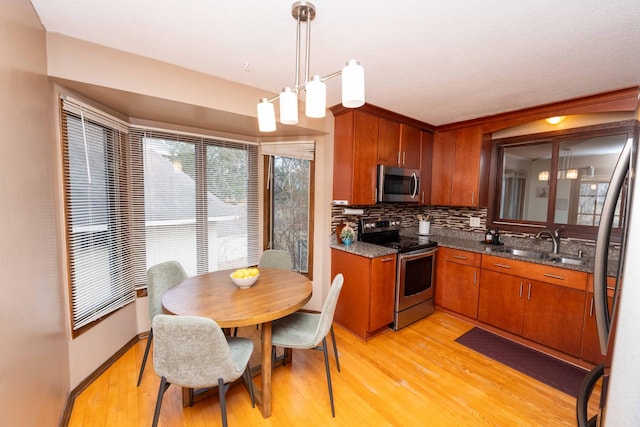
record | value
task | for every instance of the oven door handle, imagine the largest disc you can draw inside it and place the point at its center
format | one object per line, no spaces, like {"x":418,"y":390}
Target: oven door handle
{"x":417,"y":254}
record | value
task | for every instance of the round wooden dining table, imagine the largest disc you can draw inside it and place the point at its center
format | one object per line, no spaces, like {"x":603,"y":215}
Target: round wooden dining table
{"x":275,"y":294}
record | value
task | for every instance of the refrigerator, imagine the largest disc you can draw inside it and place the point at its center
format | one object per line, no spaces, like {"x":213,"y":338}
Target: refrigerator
{"x":618,"y":327}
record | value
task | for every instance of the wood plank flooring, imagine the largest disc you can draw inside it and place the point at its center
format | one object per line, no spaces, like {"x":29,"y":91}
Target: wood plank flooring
{"x":418,"y":376}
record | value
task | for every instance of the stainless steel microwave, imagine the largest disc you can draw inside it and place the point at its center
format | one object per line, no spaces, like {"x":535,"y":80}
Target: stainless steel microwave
{"x":398,"y":184}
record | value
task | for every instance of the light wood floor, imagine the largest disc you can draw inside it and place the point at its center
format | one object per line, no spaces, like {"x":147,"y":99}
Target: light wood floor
{"x":418,"y":376}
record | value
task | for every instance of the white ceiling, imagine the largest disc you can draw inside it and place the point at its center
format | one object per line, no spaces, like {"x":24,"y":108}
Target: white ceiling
{"x":435,"y":61}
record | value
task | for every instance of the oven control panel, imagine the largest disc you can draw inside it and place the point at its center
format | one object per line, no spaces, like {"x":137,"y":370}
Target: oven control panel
{"x":378,"y":224}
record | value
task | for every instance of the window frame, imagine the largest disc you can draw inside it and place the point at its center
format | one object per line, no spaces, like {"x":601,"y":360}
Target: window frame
{"x":129,"y":179}
{"x":268,"y":209}
{"x":630,"y":127}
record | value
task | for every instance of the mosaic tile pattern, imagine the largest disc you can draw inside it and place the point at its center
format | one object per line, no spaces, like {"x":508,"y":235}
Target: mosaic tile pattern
{"x":454,"y":221}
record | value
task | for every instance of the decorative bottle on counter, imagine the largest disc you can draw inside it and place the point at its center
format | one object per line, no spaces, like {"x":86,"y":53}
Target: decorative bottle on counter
{"x":347,"y":235}
{"x":339,"y":229}
{"x":488,"y":237}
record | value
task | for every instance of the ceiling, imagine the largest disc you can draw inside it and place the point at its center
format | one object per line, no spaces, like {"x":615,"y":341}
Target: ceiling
{"x":434,"y":61}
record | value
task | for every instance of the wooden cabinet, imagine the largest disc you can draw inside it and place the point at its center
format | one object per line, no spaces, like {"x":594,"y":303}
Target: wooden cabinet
{"x":590,"y":342}
{"x":457,"y":281}
{"x":409,"y":146}
{"x":365,"y":306}
{"x":355,"y":158}
{"x":398,"y":144}
{"x":541,"y":303}
{"x":460,"y":168}
{"x":388,"y":142}
{"x":426,"y":155}
{"x":501,"y":301}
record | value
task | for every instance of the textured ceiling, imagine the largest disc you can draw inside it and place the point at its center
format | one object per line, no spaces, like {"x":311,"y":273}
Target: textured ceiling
{"x":435,"y":61}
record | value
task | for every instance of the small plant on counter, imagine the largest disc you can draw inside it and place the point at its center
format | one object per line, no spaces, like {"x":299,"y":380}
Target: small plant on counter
{"x":347,"y":235}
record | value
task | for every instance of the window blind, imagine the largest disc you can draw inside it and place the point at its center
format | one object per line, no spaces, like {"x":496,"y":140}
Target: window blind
{"x":97,"y":206}
{"x":297,"y":149}
{"x":200,"y":200}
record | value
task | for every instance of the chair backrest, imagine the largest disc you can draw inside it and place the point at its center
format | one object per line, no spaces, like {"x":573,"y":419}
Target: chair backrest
{"x":329,"y":308}
{"x":161,"y":277}
{"x":274,"y":258}
{"x":192,"y":351}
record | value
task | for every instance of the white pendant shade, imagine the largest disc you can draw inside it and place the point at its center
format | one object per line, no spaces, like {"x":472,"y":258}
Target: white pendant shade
{"x":316,"y":103}
{"x":288,"y":106}
{"x":353,"y":84}
{"x":316,"y":89}
{"x":266,"y":116}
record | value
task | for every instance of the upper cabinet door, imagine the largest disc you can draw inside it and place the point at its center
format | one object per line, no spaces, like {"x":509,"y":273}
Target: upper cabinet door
{"x":354,"y":158}
{"x":465,"y":181}
{"x":388,"y":142}
{"x":442,"y":168}
{"x":409,"y":147}
{"x":456,"y":178}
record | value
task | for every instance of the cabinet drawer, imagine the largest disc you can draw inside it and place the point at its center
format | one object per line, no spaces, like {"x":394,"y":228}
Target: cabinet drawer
{"x":460,"y":257}
{"x":543,"y":273}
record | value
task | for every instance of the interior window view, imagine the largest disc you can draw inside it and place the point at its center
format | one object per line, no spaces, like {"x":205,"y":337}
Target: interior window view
{"x":213,"y":218}
{"x":558,"y":181}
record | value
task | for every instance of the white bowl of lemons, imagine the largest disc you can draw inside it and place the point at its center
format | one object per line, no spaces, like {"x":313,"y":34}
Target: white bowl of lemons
{"x":245,"y":277}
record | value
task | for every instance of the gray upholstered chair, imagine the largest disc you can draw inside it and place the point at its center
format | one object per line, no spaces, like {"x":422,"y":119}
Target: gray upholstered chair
{"x":160,"y":277}
{"x":302,"y":330}
{"x":193,"y":352}
{"x":274,"y":258}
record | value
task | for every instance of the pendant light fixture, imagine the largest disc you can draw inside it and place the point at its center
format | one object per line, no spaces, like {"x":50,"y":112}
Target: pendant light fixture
{"x":315,"y":87}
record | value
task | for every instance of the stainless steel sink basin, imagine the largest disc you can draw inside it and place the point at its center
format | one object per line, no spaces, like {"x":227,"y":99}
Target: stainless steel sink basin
{"x":523,"y":253}
{"x":567,"y":260}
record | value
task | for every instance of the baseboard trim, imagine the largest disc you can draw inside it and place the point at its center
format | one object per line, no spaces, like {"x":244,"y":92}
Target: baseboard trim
{"x":66,"y":414}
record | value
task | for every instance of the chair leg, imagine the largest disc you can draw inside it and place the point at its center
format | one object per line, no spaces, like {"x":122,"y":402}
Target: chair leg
{"x":164,"y":385}
{"x":144,"y":358}
{"x":247,"y":377}
{"x":335,"y":347}
{"x":326,"y":365}
{"x":222,"y":390}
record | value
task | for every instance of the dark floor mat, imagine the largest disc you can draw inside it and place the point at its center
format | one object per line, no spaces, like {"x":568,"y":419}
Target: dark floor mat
{"x":551,"y":371}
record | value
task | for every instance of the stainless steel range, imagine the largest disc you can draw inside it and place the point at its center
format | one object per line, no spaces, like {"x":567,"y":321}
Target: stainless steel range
{"x":415,"y":272}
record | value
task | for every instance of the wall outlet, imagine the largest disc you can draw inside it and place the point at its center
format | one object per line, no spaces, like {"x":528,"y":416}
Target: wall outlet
{"x":474,"y":221}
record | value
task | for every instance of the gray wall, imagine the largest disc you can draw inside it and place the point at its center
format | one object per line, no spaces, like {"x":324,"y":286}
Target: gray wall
{"x":34,"y":366}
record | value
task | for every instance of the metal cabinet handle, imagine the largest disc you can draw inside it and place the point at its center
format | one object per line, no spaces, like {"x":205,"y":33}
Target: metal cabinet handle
{"x":529,"y":292}
{"x":460,"y":257}
{"x":399,"y":164}
{"x":521,"y":289}
{"x":473,"y":198}
{"x":386,"y":259}
{"x":553,"y":276}
{"x":502,"y":265}
{"x":591,"y":308}
{"x":475,"y":278}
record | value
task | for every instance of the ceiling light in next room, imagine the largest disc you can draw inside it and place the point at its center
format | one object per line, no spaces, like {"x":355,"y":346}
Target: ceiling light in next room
{"x":315,"y":88}
{"x":555,"y":120}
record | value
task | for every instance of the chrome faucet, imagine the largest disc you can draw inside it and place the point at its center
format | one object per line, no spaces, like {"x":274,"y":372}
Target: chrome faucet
{"x":555,"y":238}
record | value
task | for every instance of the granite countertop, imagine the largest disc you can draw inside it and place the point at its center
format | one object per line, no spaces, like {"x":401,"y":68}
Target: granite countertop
{"x":470,"y":241}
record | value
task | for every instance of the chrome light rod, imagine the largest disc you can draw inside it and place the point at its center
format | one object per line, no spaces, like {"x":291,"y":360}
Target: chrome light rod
{"x":315,"y":88}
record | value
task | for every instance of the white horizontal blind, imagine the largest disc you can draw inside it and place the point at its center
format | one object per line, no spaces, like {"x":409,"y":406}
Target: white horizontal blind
{"x":200,"y":200}
{"x":97,"y":206}
{"x":297,"y":149}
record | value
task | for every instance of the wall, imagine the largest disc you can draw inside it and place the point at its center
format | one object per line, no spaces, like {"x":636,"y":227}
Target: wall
{"x":34,"y":371}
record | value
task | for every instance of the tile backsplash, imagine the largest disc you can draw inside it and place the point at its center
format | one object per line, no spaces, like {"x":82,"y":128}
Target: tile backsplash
{"x":440,"y":216}
{"x":444,"y":219}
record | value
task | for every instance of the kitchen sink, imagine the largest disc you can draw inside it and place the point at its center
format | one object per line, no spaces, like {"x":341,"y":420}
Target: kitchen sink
{"x":567,"y":260}
{"x":523,"y":253}
{"x":532,"y":254}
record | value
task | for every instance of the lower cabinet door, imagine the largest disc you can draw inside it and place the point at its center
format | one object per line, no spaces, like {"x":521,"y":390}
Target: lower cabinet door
{"x":554,"y":316}
{"x":501,"y":301}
